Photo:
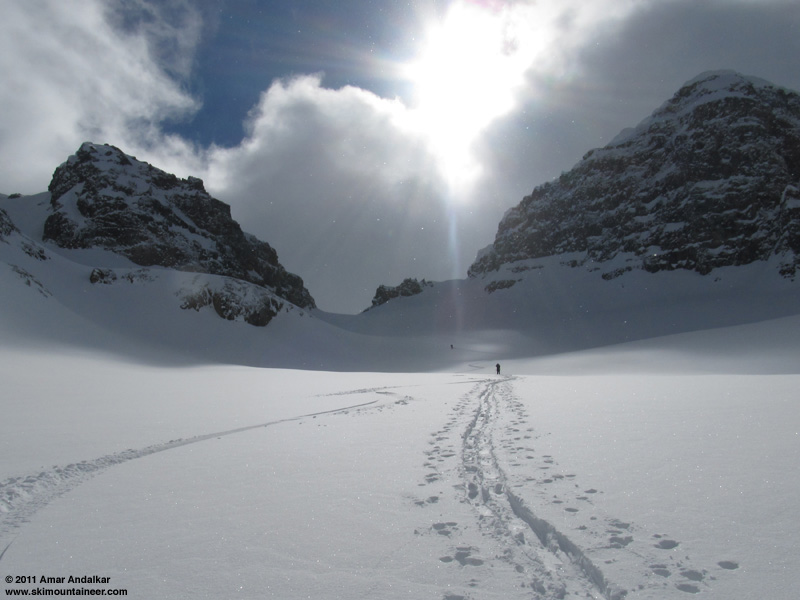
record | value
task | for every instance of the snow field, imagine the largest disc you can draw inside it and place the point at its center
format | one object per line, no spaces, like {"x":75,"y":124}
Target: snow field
{"x":317,"y":506}
{"x":253,"y":483}
{"x":667,"y":482}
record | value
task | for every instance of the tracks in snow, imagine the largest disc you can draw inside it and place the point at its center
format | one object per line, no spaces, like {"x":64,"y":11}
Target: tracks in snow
{"x":21,"y":497}
{"x":557,"y":565}
{"x":468,"y":454}
{"x":539,"y":525}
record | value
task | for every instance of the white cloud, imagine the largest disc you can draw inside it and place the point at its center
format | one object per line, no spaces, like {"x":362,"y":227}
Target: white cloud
{"x":354,"y":190}
{"x":337,"y":183}
{"x":170,"y":28}
{"x":350,"y":134}
{"x":69,"y":76}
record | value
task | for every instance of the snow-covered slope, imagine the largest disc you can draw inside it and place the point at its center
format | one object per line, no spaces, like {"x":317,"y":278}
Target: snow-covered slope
{"x":48,"y":296}
{"x":641,"y":441}
{"x":687,"y":222}
{"x":103,"y":198}
{"x":650,"y":471}
{"x":711,"y":179}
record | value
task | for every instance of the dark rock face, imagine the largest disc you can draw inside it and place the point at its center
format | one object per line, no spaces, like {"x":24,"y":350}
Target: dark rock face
{"x":8,"y":230}
{"x":409,"y":287}
{"x":711,"y":179}
{"x":7,"y":227}
{"x":103,"y":198}
{"x":232,"y":299}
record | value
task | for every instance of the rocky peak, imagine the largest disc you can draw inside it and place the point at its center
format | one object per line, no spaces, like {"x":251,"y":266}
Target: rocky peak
{"x":409,"y":287}
{"x":7,"y":227}
{"x":102,"y":197}
{"x":710,"y":179}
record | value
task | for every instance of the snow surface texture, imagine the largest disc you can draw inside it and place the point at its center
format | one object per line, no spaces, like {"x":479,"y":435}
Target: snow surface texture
{"x":656,"y":468}
{"x":235,"y":482}
{"x":709,"y":180}
{"x":641,"y":440}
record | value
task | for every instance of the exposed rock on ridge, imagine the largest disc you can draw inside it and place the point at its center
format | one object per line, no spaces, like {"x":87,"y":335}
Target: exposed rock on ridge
{"x":7,"y":227}
{"x":409,"y":287}
{"x":711,"y":179}
{"x":104,"y":198}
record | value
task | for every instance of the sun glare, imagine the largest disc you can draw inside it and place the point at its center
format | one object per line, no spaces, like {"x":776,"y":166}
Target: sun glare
{"x":468,"y":69}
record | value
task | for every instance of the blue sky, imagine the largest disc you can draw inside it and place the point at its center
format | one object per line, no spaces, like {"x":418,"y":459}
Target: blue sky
{"x":247,"y":44}
{"x":366,"y":141}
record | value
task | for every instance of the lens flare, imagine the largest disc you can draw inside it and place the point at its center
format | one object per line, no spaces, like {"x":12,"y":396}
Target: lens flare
{"x":479,"y":60}
{"x":467,"y":73}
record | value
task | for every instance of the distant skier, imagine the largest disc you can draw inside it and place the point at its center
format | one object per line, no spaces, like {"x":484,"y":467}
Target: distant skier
{"x":498,"y":368}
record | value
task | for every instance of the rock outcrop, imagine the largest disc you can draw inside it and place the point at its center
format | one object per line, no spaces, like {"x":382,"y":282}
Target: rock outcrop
{"x":102,"y":197}
{"x":409,"y":287}
{"x":711,"y":179}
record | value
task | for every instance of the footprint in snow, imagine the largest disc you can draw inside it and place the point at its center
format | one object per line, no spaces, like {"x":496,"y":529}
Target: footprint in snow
{"x":661,"y":570}
{"x":427,"y":501}
{"x":463,"y":556}
{"x":620,"y":542}
{"x":472,"y":491}
{"x":431,"y":477}
{"x":445,"y":528}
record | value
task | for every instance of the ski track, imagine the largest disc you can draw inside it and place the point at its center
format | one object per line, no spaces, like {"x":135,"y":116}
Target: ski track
{"x":486,"y":451}
{"x":22,"y":496}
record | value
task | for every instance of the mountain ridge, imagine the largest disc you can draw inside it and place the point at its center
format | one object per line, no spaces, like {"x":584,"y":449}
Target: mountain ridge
{"x":103,"y":198}
{"x":710,"y":179}
{"x":125,"y":251}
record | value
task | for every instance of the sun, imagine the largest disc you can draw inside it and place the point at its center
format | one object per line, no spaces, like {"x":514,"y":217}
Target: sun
{"x":467,"y":72}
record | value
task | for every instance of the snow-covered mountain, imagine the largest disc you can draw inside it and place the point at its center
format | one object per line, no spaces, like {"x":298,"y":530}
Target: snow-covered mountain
{"x":647,"y":470}
{"x":690,"y":220}
{"x":711,"y":179}
{"x":687,"y":222}
{"x":408,"y":287}
{"x":101,"y":198}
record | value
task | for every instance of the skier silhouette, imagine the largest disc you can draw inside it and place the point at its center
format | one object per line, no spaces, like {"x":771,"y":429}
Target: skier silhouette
{"x":498,"y":368}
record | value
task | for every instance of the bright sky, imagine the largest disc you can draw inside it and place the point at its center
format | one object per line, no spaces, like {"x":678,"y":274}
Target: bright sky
{"x":367,"y":142}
